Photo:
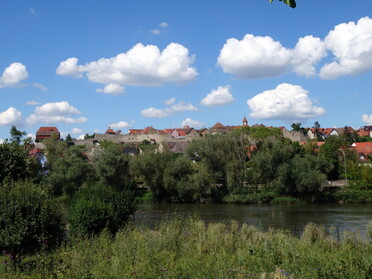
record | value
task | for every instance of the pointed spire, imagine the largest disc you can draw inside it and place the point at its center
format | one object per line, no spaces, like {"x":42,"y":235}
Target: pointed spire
{"x":245,"y":121}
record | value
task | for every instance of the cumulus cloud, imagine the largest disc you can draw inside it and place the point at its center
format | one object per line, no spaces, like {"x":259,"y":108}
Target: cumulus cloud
{"x":81,"y":137}
{"x":57,"y":108}
{"x":32,"y":136}
{"x":351,"y":45}
{"x":32,"y":103}
{"x":58,"y":112}
{"x":1,"y":141}
{"x":254,"y":57}
{"x":13,"y":75}
{"x":159,"y":113}
{"x":308,"y":52}
{"x":76,"y":131}
{"x":120,"y":125}
{"x":285,"y":102}
{"x":10,"y":117}
{"x":367,"y":119}
{"x":69,"y":67}
{"x":192,"y":123}
{"x":140,"y":66}
{"x":170,"y":101}
{"x":112,"y":88}
{"x":218,"y":97}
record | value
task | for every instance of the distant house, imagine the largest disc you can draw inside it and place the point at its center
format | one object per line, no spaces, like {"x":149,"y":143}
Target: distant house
{"x":363,"y":149}
{"x":47,"y":132}
{"x":110,"y":131}
{"x":365,"y":131}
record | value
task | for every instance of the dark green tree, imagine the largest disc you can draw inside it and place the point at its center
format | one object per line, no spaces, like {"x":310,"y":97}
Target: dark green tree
{"x":296,"y":126}
{"x":16,"y":135}
{"x":15,"y":163}
{"x":28,"y":219}
{"x":112,"y":167}
{"x":97,"y":207}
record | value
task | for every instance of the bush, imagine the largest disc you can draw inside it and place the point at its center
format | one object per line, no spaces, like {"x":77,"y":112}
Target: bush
{"x":354,"y":195}
{"x":28,"y":220}
{"x":97,"y":207}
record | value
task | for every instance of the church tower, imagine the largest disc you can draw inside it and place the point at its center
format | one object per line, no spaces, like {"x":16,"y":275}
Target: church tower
{"x":245,"y":121}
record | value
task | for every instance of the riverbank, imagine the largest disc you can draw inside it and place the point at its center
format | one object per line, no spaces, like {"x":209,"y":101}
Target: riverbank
{"x":188,"y":248}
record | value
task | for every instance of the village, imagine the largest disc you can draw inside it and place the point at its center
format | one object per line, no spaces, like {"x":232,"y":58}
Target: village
{"x":177,"y":139}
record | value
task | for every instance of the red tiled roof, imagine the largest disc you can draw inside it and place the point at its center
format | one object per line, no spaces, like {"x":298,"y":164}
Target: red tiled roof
{"x":363,"y":148}
{"x":52,"y":129}
{"x":110,"y":131}
{"x":135,"y":131}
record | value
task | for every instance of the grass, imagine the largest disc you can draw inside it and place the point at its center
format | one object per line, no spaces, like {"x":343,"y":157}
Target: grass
{"x":188,"y":248}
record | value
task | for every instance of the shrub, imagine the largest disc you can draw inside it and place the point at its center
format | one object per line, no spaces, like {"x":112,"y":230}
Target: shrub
{"x":28,"y":220}
{"x":97,"y":207}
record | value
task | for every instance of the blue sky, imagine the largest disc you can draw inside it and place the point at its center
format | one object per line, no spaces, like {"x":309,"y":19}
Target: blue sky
{"x":85,"y":65}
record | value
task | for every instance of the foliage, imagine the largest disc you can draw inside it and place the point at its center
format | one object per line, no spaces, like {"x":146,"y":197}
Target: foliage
{"x":15,"y":163}
{"x":350,"y":195}
{"x":16,"y":135}
{"x":189,"y":248}
{"x":151,"y":168}
{"x":28,"y":219}
{"x":69,"y":171}
{"x":112,"y":168}
{"x":97,"y":207}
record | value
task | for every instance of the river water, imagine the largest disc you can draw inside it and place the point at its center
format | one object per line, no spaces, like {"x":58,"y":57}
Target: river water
{"x":341,"y":217}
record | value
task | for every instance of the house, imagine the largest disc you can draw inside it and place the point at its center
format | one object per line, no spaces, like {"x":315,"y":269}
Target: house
{"x":178,"y":134}
{"x":363,"y":149}
{"x":47,"y":132}
{"x":110,"y":131}
{"x":365,"y":131}
{"x":323,"y":133}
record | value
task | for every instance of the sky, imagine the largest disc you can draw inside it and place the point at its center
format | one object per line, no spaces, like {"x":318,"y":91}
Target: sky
{"x":84,"y":66}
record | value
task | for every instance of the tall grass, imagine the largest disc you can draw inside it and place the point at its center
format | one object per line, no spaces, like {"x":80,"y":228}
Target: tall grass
{"x":189,"y":248}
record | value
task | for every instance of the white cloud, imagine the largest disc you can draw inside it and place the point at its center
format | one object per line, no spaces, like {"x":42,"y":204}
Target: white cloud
{"x":81,"y":137}
{"x":10,"y":117}
{"x":159,"y":113}
{"x":351,"y":44}
{"x":120,"y":125}
{"x":140,"y":66}
{"x":32,"y":10}
{"x":112,"y":88}
{"x":254,"y":57}
{"x":285,"y":102}
{"x":218,"y":97}
{"x":40,"y":86}
{"x":32,"y":103}
{"x":308,"y":52}
{"x":58,"y":112}
{"x":76,"y":131}
{"x":35,"y":119}
{"x":163,"y":25}
{"x":13,"y":75}
{"x":70,"y":67}
{"x":367,"y":119}
{"x":170,"y":101}
{"x":57,"y":108}
{"x":192,"y":123}
{"x":1,"y":141}
{"x":155,"y":31}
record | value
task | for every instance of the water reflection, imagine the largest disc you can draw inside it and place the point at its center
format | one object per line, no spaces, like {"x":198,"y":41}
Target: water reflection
{"x":353,"y":217}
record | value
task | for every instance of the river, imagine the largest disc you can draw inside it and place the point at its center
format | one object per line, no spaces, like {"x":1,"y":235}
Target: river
{"x":342,"y":217}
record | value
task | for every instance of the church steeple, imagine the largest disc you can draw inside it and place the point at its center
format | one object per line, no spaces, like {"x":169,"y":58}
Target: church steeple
{"x":245,"y":121}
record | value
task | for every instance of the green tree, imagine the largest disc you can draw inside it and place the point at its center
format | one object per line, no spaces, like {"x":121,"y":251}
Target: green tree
{"x":112,"y":168}
{"x":28,"y":219}
{"x":97,"y":207}
{"x":15,"y":163}
{"x":296,"y":126}
{"x":16,"y":135}
{"x":69,"y":172}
